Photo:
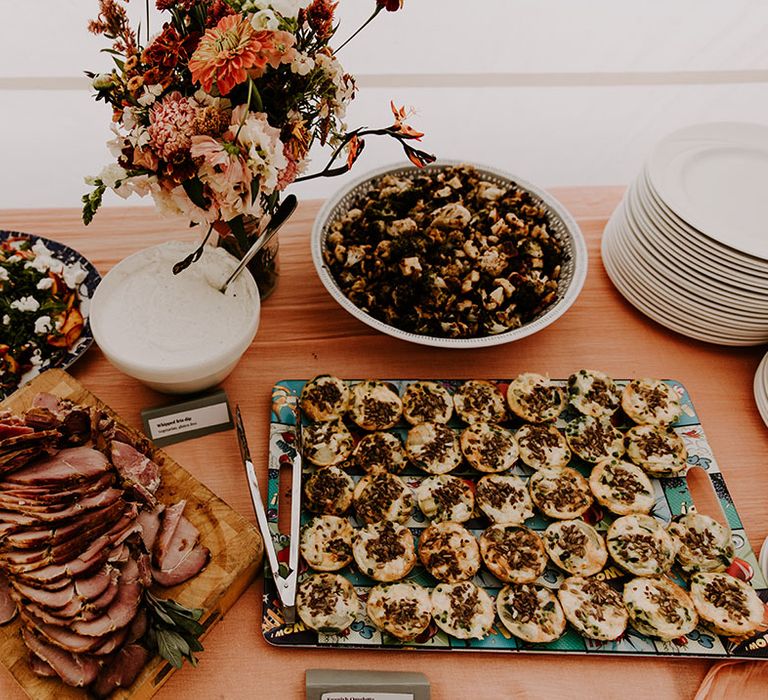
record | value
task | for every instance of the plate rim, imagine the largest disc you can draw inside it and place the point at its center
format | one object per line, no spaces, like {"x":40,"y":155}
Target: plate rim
{"x":580,"y":266}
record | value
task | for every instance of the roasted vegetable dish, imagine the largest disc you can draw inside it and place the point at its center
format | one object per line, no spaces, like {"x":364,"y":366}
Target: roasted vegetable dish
{"x":40,"y":316}
{"x":446,"y":253}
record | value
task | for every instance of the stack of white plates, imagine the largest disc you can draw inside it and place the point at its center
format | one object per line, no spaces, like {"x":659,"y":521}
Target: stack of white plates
{"x":761,"y":389}
{"x":688,"y":245}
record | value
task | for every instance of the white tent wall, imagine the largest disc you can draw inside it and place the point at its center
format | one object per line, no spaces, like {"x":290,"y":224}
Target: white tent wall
{"x":556,"y":91}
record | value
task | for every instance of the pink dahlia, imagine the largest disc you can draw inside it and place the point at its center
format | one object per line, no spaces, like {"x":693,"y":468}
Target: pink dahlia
{"x":171,"y":126}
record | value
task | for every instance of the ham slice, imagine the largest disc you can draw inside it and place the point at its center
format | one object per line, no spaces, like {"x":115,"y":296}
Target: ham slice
{"x":122,"y":671}
{"x":73,"y":421}
{"x":75,"y":464}
{"x":137,"y":470}
{"x":171,"y":517}
{"x":60,"y":636}
{"x":50,"y":515}
{"x":40,"y":667}
{"x":150,"y":526}
{"x":7,"y":603}
{"x":50,"y":496}
{"x":8,"y":429}
{"x":89,"y":526}
{"x":51,"y":600}
{"x":73,"y":669}
{"x":190,"y":565}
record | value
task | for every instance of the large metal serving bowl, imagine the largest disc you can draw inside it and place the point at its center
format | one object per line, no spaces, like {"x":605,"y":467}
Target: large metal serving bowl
{"x":561,"y":224}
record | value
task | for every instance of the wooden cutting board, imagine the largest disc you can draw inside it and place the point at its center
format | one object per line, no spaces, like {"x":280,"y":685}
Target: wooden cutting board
{"x":236,"y":555}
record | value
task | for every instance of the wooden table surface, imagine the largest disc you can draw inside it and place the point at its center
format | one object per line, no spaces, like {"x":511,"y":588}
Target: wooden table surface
{"x":303,"y":332}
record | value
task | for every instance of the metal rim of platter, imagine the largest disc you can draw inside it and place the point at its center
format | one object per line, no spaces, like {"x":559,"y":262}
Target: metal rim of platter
{"x":563,"y":225}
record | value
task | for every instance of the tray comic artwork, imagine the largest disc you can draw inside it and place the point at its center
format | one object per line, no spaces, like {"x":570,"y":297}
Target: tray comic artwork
{"x":672,"y":499}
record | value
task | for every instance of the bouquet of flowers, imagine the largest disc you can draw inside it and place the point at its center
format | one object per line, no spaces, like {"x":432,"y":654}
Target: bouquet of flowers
{"x":215,"y":116}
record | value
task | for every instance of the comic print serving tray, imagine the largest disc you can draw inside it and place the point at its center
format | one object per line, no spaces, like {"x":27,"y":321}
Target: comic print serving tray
{"x":672,"y":498}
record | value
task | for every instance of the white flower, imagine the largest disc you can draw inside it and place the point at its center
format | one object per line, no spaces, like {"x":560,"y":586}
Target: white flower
{"x":3,"y":274}
{"x":36,"y":359}
{"x":264,"y":148}
{"x":287,"y":8}
{"x":302,"y":64}
{"x":74,"y":274}
{"x":26,"y":304}
{"x":112,"y":175}
{"x":45,"y":283}
{"x":151,"y":93}
{"x":43,"y":325}
{"x":6,"y":320}
{"x":264,"y":19}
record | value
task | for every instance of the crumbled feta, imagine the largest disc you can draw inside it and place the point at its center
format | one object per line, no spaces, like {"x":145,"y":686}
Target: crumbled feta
{"x":13,"y":259}
{"x":3,"y":274}
{"x":43,"y":325}
{"x":26,"y":304}
{"x":36,"y":359}
{"x":6,"y":320}
{"x":39,"y":248}
{"x":45,"y":283}
{"x":74,"y":274}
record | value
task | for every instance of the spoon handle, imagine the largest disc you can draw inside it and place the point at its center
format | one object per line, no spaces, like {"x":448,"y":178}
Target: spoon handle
{"x":286,"y":208}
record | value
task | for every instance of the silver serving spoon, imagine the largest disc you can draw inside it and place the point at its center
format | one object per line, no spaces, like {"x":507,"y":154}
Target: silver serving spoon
{"x":286,"y":208}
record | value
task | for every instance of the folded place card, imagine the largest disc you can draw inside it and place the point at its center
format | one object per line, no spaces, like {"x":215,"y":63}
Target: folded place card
{"x":190,"y":419}
{"x":325,"y":684}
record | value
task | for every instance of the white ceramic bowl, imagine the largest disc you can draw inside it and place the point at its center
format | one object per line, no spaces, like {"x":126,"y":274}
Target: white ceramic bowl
{"x":210,"y":354}
{"x":562,"y":225}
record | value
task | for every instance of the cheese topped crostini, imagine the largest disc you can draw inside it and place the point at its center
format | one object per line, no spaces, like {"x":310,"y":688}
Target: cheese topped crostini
{"x":562,"y":494}
{"x":479,"y":400}
{"x":542,"y":446}
{"x":594,"y":609}
{"x":382,"y":496}
{"x":433,"y":447}
{"x":513,"y":553}
{"x":658,"y":450}
{"x":729,"y":606}
{"x":488,"y":447}
{"x":576,"y":547}
{"x":702,"y":543}
{"x":327,"y":603}
{"x":640,"y":545}
{"x":449,"y":552}
{"x":650,"y":401}
{"x":503,"y":498}
{"x":380,"y":451}
{"x":326,"y":542}
{"x":462,"y":610}
{"x":659,"y":608}
{"x":385,"y":551}
{"x":403,"y":610}
{"x":445,"y":497}
{"x":622,"y":487}
{"x":593,"y":393}
{"x":535,"y":398}
{"x":324,"y":398}
{"x":375,"y":405}
{"x":531,"y":613}
{"x":327,"y":443}
{"x":427,"y":402}
{"x":594,"y":439}
{"x":328,"y":491}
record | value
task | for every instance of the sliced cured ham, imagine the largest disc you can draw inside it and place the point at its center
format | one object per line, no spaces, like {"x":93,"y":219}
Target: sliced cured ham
{"x":190,"y":565}
{"x":121,"y":671}
{"x":150,"y":526}
{"x":171,"y":517}
{"x":138,"y":471}
{"x":74,"y":464}
{"x":74,"y":669}
{"x":40,"y":667}
{"x":36,"y":516}
{"x":7,"y":603}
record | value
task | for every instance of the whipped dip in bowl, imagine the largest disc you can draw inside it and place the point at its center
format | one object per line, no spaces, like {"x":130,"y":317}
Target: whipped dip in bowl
{"x":175,"y":333}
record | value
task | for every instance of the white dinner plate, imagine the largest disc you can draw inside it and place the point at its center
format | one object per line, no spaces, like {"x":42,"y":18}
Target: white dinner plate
{"x":648,"y":303}
{"x":714,"y":177}
{"x":666,"y":309}
{"x":663,"y":215}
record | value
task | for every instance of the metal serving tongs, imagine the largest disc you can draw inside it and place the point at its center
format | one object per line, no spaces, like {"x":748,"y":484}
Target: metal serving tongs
{"x":286,"y":584}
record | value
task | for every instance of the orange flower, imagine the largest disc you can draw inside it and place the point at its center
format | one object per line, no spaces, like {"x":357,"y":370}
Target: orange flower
{"x":227,"y":51}
{"x":400,"y":127}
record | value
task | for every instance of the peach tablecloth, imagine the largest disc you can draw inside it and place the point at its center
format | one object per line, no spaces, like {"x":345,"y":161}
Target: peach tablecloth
{"x":303,"y":332}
